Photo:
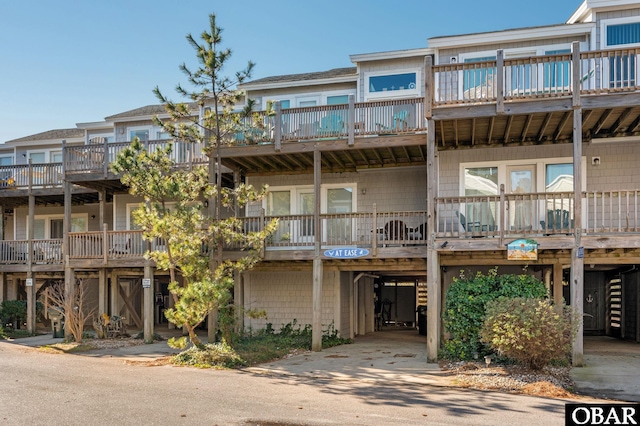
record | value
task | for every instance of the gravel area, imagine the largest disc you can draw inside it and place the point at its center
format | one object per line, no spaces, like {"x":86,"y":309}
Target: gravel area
{"x":552,"y":382}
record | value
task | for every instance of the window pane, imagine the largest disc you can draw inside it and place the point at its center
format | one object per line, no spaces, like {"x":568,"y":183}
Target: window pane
{"x":285,"y":104}
{"x":37,"y":157}
{"x":337,"y":100}
{"x":559,"y":177}
{"x":384,"y":83}
{"x":279,"y":203}
{"x":56,"y":157}
{"x":78,"y":224}
{"x":307,"y":103}
{"x":6,"y":161}
{"x":339,"y":200}
{"x":479,"y":77}
{"x":38,"y":229}
{"x":481,"y":181}
{"x":143,"y":135}
{"x":556,"y":74}
{"x":623,"y":34}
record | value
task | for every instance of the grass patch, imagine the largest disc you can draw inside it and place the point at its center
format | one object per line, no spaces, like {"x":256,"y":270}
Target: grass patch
{"x":253,"y":349}
{"x":15,"y":334}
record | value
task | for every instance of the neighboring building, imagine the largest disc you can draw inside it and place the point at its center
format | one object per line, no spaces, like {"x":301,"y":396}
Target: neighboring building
{"x":388,"y":178}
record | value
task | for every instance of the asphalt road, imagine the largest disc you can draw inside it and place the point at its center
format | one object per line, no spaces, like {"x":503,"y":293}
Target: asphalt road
{"x":54,"y":389}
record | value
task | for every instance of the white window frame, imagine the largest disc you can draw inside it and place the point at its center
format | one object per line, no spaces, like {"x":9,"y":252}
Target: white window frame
{"x":540,"y":173}
{"x":149,"y":129}
{"x":13,"y":161}
{"x":48,"y":217}
{"x":616,"y":21}
{"x":605,"y":77}
{"x":294,"y":191}
{"x":48,"y":154}
{"x":395,"y":94}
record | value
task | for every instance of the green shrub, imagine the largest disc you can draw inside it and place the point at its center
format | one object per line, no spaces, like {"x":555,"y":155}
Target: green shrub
{"x":464,"y":309}
{"x":14,"y":312}
{"x":531,"y":331}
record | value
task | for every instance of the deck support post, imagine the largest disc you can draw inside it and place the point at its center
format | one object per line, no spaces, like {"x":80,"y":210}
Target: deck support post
{"x":30,"y":282}
{"x":3,"y":287}
{"x":316,"y":326}
{"x":433,"y":262}
{"x":557,"y":283}
{"x":148,"y":293}
{"x":577,"y":252}
{"x":102,"y":291}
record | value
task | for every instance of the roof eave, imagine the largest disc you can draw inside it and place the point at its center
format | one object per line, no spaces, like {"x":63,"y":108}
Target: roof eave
{"x":286,"y":84}
{"x":514,"y":35}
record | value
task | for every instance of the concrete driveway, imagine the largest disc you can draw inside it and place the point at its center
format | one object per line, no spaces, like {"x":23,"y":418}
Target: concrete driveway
{"x":612,"y":369}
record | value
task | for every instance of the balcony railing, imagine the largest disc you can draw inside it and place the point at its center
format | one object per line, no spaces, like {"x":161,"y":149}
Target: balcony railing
{"x":504,"y":216}
{"x":508,"y":79}
{"x":26,"y":176}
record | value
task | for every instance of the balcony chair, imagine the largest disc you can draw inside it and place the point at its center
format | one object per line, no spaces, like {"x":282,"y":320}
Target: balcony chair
{"x":399,"y":123}
{"x":121,"y":245}
{"x":557,"y":220}
{"x":331,"y":125}
{"x":396,"y":230}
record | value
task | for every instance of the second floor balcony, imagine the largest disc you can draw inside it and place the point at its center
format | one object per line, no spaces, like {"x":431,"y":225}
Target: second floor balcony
{"x":466,"y":223}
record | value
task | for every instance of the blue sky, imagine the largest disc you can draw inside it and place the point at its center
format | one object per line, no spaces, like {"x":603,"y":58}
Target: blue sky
{"x":72,"y":61}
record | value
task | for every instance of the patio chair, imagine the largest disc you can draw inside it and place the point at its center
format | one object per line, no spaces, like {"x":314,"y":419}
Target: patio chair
{"x":557,"y":220}
{"x":121,"y":245}
{"x":396,"y":230}
{"x":331,"y":125}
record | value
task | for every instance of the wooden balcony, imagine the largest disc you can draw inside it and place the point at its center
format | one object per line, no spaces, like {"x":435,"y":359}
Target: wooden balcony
{"x":531,"y":100}
{"x":31,"y":176}
{"x":610,"y":220}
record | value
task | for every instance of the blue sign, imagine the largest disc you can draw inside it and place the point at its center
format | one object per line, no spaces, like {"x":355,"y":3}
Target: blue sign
{"x":346,"y":253}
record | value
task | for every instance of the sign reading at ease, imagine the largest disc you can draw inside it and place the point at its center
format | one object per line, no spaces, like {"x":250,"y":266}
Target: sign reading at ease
{"x":346,"y":253}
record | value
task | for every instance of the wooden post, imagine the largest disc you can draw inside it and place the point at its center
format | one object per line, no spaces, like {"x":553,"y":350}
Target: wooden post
{"x":316,"y":326}
{"x":428,"y":87}
{"x":113,"y":309}
{"x":105,"y":244}
{"x":503,"y":215}
{"x":69,"y":290}
{"x":374,"y":231}
{"x":277,"y":133}
{"x":102,"y":291}
{"x":433,"y":261}
{"x":577,"y":252}
{"x":557,"y":283}
{"x":30,"y":282}
{"x":102,"y":197}
{"x":149,"y":305}
{"x":352,"y":120}
{"x":500,"y":82}
{"x":3,"y":287}
{"x":105,"y":158}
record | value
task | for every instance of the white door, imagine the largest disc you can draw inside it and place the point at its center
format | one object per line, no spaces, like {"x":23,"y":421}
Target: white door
{"x":306,"y":203}
{"x":522,"y":205}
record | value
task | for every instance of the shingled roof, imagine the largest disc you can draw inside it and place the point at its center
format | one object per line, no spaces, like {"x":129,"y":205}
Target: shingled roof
{"x":52,"y":135}
{"x":320,"y":75}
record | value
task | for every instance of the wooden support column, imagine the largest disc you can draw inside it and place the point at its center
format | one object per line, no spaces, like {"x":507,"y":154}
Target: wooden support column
{"x":30,"y":284}
{"x":3,"y":287}
{"x":113,"y":290}
{"x":361,"y":308}
{"x":102,"y":291}
{"x":577,"y":252}
{"x":2,"y":222}
{"x":148,"y":302}
{"x":69,"y":278}
{"x":102,"y":196}
{"x":238,"y":300}
{"x":316,"y":326}
{"x":277,"y":131}
{"x":547,"y":280}
{"x":557,"y":283}
{"x":433,"y":262}
{"x":352,"y":120}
